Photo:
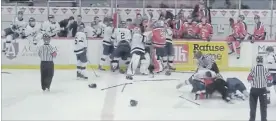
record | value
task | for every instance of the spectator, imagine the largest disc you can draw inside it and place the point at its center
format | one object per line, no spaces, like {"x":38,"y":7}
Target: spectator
{"x":79,"y":20}
{"x":74,"y":4}
{"x":200,"y":11}
{"x":65,"y":26}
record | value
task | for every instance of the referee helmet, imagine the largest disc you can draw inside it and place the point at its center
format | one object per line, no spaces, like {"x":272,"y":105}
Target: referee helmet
{"x":46,"y":38}
{"x":259,"y":59}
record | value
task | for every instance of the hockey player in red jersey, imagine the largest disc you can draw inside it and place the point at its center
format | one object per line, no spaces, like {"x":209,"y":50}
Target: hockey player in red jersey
{"x":259,"y":30}
{"x":239,"y":33}
{"x":188,"y":29}
{"x":157,"y":36}
{"x":204,"y":30}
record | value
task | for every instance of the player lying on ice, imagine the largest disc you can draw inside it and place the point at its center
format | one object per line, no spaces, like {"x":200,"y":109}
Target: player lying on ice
{"x":206,"y":82}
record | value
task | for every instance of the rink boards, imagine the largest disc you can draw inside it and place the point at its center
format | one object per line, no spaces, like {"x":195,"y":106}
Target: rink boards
{"x":23,"y":55}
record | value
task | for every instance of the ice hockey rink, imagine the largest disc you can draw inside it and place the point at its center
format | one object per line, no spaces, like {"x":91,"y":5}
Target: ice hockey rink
{"x":71,"y":99}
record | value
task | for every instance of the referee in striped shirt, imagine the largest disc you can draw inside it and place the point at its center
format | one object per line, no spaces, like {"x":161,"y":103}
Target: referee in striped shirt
{"x":46,"y":53}
{"x":259,"y":77}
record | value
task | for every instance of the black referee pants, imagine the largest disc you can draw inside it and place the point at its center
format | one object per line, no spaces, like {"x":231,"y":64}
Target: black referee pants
{"x":256,"y":93}
{"x":47,"y":73}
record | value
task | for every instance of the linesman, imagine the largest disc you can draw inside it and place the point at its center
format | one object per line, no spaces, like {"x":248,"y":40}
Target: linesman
{"x":46,"y":53}
{"x":259,"y":77}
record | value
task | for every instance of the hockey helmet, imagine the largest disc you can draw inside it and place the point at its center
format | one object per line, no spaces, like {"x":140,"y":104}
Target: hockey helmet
{"x":197,"y":54}
{"x":256,"y":17}
{"x":81,"y":27}
{"x":32,"y":19}
{"x":136,"y":30}
{"x":51,"y":16}
{"x":269,"y":49}
{"x":123,"y":24}
{"x":259,"y":59}
{"x":20,"y":12}
{"x":241,"y":17}
{"x":46,"y":38}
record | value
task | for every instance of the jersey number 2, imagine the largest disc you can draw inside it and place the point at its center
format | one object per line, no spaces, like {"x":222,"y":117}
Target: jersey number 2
{"x":122,"y":36}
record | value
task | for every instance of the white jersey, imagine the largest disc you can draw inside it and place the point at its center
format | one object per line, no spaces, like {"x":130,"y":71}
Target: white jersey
{"x":120,"y":34}
{"x":80,"y":42}
{"x":20,"y":25}
{"x":50,"y":28}
{"x":32,"y":31}
{"x":201,"y":74}
{"x":169,"y":35}
{"x":107,"y":35}
{"x":103,"y":26}
{"x":271,"y":62}
{"x":137,"y":43}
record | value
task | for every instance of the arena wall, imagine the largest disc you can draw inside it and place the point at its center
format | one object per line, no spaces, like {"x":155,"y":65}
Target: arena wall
{"x":23,"y":55}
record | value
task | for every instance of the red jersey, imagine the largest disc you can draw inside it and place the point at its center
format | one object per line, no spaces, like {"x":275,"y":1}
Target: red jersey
{"x":189,"y":28}
{"x":259,"y":31}
{"x":239,"y":30}
{"x":204,"y":30}
{"x":158,"y":37}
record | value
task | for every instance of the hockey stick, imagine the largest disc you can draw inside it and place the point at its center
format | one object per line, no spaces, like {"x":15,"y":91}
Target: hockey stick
{"x":189,"y":100}
{"x":5,"y":72}
{"x":93,"y":70}
{"x":116,"y":86}
{"x":156,"y":80}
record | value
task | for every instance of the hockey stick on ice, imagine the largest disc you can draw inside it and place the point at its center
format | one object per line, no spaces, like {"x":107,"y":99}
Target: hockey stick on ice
{"x":5,"y":72}
{"x":124,"y":84}
{"x":189,"y":100}
{"x":93,"y":70}
{"x":156,"y":80}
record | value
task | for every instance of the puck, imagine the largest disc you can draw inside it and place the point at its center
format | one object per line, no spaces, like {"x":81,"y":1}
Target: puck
{"x":92,"y":85}
{"x":133,"y":103}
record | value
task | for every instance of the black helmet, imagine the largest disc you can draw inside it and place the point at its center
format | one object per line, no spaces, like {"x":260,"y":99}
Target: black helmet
{"x":270,"y":49}
{"x":259,"y":59}
{"x":46,"y":38}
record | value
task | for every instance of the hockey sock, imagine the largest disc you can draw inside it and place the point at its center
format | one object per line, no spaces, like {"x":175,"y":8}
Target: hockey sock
{"x":231,"y":48}
{"x":83,"y":69}
{"x":103,"y":59}
{"x":145,"y":63}
{"x":165,"y":61}
{"x":237,"y":45}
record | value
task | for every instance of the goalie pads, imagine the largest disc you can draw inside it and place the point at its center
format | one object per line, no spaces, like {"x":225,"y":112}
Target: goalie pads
{"x":145,"y":63}
{"x":134,"y":62}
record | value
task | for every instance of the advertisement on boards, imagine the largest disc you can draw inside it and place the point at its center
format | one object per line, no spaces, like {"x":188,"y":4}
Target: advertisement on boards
{"x":184,"y":52}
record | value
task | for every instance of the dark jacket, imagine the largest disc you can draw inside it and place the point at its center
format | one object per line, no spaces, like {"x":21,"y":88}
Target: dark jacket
{"x":73,"y":27}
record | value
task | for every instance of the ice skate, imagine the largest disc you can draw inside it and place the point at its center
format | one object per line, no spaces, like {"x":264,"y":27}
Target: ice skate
{"x":101,"y":68}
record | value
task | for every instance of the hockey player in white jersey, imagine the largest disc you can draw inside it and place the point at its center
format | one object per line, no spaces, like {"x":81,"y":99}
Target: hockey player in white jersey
{"x":50,"y":27}
{"x":15,"y":31}
{"x":169,"y":49}
{"x":121,"y":38}
{"x":271,"y":64}
{"x":107,"y":44}
{"x":32,"y":32}
{"x":80,"y":51}
{"x":137,"y":54}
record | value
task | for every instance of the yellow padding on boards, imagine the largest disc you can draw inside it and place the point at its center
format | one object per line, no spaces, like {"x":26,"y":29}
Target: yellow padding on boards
{"x":57,"y":66}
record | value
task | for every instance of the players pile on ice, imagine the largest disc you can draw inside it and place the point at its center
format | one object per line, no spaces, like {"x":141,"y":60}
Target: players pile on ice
{"x":146,"y":48}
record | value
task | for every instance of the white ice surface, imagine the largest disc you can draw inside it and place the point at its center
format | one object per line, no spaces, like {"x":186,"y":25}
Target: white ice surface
{"x":71,"y":99}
